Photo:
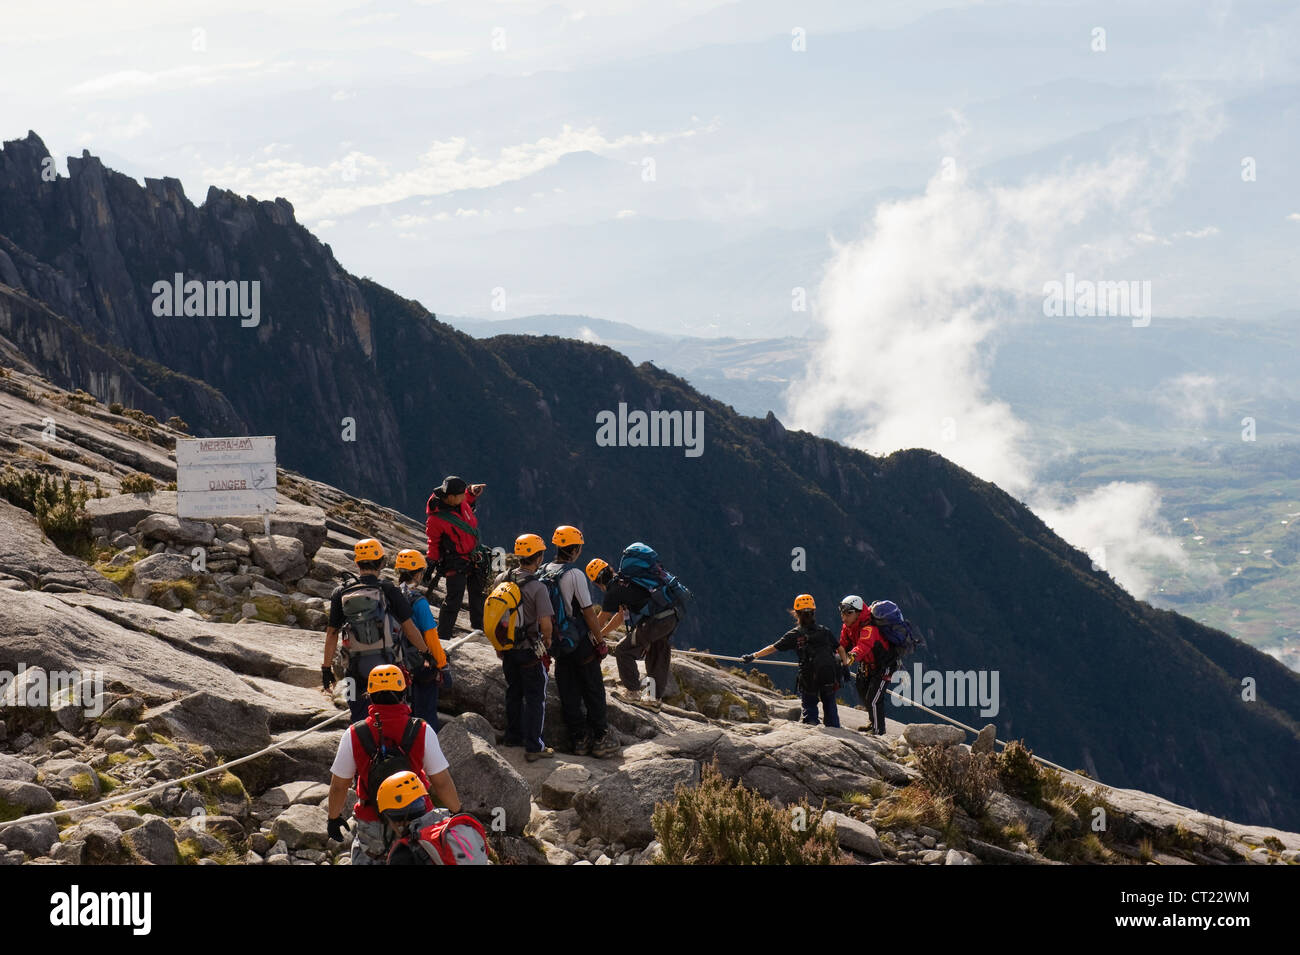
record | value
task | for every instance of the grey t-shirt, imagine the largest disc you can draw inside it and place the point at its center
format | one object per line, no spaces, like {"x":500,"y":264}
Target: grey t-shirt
{"x":574,"y":588}
{"x":534,"y":604}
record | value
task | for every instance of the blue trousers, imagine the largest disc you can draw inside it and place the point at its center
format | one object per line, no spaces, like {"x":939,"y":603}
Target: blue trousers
{"x":424,"y":702}
{"x":825,"y":694}
{"x":525,"y":698}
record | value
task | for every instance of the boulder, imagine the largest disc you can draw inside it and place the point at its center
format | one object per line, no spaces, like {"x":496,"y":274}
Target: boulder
{"x":1007,"y":810}
{"x":153,"y":841}
{"x":34,"y":838}
{"x":563,"y":784}
{"x":301,"y":792}
{"x":28,"y":555}
{"x":488,"y":786}
{"x":302,"y":827}
{"x":329,"y":562}
{"x":281,"y":556}
{"x":100,"y":839}
{"x":70,"y":779}
{"x":120,"y":512}
{"x":160,"y":569}
{"x":933,"y":734}
{"x":618,"y":808}
{"x":984,"y":743}
{"x":304,"y":522}
{"x":853,"y":835}
{"x":11,"y":767}
{"x":26,"y":796}
{"x":176,"y":530}
{"x":231,"y":727}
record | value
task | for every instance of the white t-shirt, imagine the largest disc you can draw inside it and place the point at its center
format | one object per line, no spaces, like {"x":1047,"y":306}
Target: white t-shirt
{"x":345,"y":763}
{"x":573,"y":586}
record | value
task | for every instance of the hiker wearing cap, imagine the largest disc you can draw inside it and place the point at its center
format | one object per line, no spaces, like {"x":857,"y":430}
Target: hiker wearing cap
{"x":818,"y":666}
{"x":410,"y":565}
{"x":455,"y":551}
{"x":576,"y":649}
{"x":525,"y":663}
{"x":388,"y":740}
{"x":374,"y":618}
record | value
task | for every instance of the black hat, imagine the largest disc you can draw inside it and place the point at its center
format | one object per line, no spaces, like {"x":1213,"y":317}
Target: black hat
{"x":452,"y":485}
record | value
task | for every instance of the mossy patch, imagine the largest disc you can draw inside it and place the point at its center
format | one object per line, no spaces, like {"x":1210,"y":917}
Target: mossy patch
{"x":269,"y":609}
{"x":83,"y":784}
{"x":107,"y":783}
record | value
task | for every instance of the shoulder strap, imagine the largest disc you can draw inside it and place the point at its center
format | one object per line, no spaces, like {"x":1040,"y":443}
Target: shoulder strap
{"x":455,"y":520}
{"x":366,"y":739}
{"x":414,"y":726}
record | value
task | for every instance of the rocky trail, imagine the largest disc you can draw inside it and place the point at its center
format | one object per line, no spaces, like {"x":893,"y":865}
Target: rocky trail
{"x":151,"y":648}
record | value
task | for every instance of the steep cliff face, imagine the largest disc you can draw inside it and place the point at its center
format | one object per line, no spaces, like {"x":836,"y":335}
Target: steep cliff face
{"x":1086,"y":674}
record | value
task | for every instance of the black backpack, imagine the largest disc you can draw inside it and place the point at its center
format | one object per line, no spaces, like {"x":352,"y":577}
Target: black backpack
{"x":385,"y":758}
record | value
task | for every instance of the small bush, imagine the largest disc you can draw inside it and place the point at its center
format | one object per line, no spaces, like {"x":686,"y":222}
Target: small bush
{"x":178,"y":424}
{"x":720,"y":822}
{"x":59,"y":507}
{"x":115,"y":407}
{"x":1019,"y":774}
{"x":951,"y":771}
{"x":138,"y":483}
{"x":913,"y":806}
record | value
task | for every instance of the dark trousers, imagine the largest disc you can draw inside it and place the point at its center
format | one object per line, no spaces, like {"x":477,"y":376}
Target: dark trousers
{"x":359,"y":668}
{"x":652,"y":639}
{"x":525,"y":698}
{"x":456,"y":585}
{"x":424,"y":702}
{"x":825,"y":694}
{"x":582,"y":695}
{"x":871,"y":688}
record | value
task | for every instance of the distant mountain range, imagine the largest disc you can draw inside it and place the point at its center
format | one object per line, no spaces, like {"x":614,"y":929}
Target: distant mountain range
{"x":370,"y":392}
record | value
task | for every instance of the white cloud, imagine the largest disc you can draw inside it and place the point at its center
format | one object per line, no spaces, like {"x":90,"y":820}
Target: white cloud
{"x":445,"y":56}
{"x":335,"y":189}
{"x":1294,"y":217}
{"x":625,"y":213}
{"x":1193,"y":398}
{"x":134,"y":82}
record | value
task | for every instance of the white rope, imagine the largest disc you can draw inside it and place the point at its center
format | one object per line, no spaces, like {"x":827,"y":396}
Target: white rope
{"x":718,"y":656}
{"x":119,"y":797}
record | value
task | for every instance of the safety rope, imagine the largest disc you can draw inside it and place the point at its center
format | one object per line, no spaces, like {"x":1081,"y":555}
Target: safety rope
{"x":120,"y":797}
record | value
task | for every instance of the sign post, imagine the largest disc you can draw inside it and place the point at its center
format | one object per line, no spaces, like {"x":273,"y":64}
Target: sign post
{"x":225,"y":477}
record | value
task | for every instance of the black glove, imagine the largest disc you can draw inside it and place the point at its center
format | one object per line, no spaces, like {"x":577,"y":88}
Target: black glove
{"x":327,"y":678}
{"x":427,"y":657}
{"x":336,"y":828}
{"x":429,"y":571}
{"x":844,"y":672}
{"x":748,"y":658}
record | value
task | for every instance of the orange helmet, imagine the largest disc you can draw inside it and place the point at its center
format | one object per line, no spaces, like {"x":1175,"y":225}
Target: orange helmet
{"x":401,"y":795}
{"x":566,"y":536}
{"x":595,"y":567}
{"x":528,"y":545}
{"x":368,"y":549}
{"x":410,"y":560}
{"x":385,"y":677}
{"x":805,"y":602}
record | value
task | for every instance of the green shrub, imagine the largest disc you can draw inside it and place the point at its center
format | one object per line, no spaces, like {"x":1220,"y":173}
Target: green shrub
{"x":720,"y":822}
{"x":59,"y":507}
{"x":1019,"y":774}
{"x":138,"y":484}
{"x":178,"y":424}
{"x":115,"y":407}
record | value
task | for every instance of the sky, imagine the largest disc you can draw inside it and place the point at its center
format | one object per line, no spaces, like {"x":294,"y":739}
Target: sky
{"x":894,"y":180}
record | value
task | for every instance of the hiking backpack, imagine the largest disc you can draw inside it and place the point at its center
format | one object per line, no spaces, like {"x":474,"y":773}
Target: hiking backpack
{"x":368,"y":627}
{"x":898,"y":633}
{"x":568,"y":629}
{"x":387,"y":759}
{"x":501,"y":615}
{"x":459,"y":840}
{"x":640,"y":565}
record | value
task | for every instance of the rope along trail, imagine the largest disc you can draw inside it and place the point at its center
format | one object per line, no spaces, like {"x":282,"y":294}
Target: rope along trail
{"x":119,"y":797}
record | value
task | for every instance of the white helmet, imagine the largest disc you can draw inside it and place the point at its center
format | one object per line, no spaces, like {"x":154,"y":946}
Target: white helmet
{"x":851,"y":602}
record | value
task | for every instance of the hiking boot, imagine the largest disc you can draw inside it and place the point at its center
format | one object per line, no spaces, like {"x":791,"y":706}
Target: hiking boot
{"x":582,"y":747}
{"x":635,"y":699}
{"x":607,"y":745}
{"x":546,"y":753}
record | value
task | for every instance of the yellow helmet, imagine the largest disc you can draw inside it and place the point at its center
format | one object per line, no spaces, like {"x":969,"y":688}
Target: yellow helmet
{"x":805,"y":602}
{"x":528,"y":545}
{"x":566,"y":536}
{"x":368,"y":549}
{"x":410,"y":560}
{"x":385,"y":677}
{"x":402,"y":794}
{"x":595,"y":567}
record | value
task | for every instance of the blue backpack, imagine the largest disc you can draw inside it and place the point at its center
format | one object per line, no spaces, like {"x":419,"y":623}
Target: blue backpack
{"x":640,"y":565}
{"x":568,"y":630}
{"x":889,"y":620}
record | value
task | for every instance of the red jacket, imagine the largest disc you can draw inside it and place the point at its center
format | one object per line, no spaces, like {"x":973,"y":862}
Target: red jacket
{"x":393,"y":719}
{"x":862,"y":639}
{"x":435,"y":528}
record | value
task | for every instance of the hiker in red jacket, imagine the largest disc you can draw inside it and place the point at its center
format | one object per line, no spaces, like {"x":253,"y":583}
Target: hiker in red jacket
{"x":861,"y":642}
{"x":455,"y":551}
